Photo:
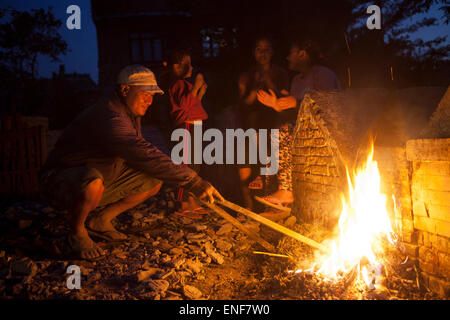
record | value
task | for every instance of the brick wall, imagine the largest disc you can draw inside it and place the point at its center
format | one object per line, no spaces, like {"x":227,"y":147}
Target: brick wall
{"x":430,"y":192}
{"x":396,"y":172}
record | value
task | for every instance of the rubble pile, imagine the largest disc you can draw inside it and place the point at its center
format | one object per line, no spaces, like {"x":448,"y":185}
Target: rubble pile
{"x":167,"y":256}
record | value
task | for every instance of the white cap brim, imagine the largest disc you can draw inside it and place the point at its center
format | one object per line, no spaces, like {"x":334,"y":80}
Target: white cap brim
{"x":151,"y":88}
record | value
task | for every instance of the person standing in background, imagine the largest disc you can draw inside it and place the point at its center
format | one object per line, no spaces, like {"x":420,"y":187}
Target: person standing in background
{"x":263,"y":75}
{"x":304,"y":57}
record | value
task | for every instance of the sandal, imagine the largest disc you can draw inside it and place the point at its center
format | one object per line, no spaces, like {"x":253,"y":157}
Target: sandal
{"x":189,"y":214}
{"x":275,"y":216}
{"x":201,"y":210}
{"x":272,"y":202}
{"x":256,"y":184}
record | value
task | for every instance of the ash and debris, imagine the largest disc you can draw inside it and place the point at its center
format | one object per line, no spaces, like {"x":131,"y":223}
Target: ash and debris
{"x":172,"y":257}
{"x":399,"y":279}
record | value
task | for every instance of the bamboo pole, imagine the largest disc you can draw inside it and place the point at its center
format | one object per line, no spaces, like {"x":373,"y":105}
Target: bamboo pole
{"x":272,"y":224}
{"x":272,"y":254}
{"x":238,"y":225}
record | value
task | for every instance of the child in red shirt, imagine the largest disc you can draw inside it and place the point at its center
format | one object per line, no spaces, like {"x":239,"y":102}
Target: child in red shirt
{"x":186,"y":110}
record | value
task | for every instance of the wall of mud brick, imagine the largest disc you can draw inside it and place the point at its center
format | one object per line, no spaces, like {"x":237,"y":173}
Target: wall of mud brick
{"x":430,"y":193}
{"x":396,"y":174}
{"x":316,"y":178}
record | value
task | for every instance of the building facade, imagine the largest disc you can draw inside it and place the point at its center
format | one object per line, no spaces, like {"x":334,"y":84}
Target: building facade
{"x":144,"y":32}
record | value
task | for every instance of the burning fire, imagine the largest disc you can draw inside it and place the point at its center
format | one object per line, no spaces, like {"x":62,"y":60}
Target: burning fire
{"x":363,"y":224}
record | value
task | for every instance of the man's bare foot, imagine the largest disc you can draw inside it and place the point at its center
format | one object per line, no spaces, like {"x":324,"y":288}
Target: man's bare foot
{"x":284,"y":196}
{"x":83,"y":246}
{"x":100,"y":226}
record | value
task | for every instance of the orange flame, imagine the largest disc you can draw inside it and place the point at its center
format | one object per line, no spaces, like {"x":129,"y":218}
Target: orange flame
{"x":363,"y":221}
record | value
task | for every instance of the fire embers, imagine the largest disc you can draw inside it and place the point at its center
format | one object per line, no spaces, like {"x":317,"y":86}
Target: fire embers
{"x":394,"y":278}
{"x":373,"y":275}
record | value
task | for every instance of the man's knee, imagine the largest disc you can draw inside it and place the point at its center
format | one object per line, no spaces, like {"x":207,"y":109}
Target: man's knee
{"x":95,"y":186}
{"x":152,"y":190}
{"x":155,"y":189}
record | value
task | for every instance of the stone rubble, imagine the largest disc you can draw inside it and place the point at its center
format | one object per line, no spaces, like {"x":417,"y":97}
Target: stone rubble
{"x":192,"y":292}
{"x":224,"y":229}
{"x":167,"y":256}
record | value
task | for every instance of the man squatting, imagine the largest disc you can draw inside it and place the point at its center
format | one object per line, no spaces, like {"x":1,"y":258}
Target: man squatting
{"x":102,"y":160}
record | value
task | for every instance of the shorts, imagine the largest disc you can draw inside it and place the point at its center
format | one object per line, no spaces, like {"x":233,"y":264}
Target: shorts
{"x":62,"y":187}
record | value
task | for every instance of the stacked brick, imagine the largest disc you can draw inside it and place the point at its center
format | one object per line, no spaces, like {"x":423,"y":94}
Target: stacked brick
{"x":439,"y":124}
{"x":326,"y":142}
{"x":395,"y":171}
{"x":316,"y":174}
{"x":430,"y":193}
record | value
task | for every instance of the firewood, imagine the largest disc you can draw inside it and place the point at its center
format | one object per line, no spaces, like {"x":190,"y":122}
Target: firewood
{"x":239,"y":225}
{"x":273,"y":254}
{"x":272,"y":224}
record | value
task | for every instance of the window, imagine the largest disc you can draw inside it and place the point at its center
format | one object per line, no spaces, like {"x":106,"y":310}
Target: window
{"x":145,"y":47}
{"x":213,"y":40}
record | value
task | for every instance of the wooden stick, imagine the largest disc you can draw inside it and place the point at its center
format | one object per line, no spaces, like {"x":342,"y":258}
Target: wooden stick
{"x":349,"y":77}
{"x":347,"y":43}
{"x":272,"y":254}
{"x":272,"y":224}
{"x":238,"y":225}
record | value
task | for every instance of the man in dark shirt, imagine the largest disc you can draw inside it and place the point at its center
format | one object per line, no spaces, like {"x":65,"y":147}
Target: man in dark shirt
{"x":102,"y":160}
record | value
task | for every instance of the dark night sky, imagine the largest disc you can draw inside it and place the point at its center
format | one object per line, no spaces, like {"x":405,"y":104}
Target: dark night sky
{"x":82,"y":44}
{"x":83,"y":54}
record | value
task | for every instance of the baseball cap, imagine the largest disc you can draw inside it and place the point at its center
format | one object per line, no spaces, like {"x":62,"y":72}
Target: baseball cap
{"x":140,"y":76}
